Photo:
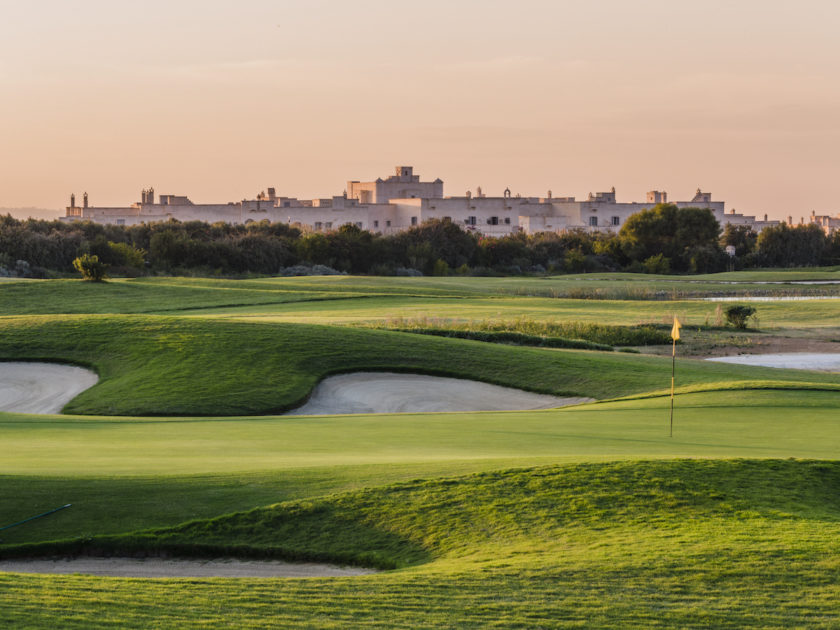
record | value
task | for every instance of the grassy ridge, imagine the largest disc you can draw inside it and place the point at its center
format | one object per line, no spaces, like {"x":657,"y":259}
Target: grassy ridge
{"x":153,"y":365}
{"x":650,"y":544}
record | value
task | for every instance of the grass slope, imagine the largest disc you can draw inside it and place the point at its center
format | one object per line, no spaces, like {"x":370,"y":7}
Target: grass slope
{"x":154,"y":365}
{"x":687,"y":544}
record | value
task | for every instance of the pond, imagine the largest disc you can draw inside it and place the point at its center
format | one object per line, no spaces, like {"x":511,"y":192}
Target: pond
{"x":825,"y":362}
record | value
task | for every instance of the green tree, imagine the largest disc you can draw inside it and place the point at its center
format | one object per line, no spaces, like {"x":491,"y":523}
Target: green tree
{"x":675,"y":233}
{"x":742,"y":237}
{"x":784,"y":246}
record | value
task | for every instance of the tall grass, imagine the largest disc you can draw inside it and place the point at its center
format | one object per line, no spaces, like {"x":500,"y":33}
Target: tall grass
{"x":529,"y":329}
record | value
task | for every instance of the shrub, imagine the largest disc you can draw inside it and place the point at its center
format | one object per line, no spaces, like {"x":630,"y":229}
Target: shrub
{"x":657,"y":264}
{"x":408,"y":272}
{"x":310,"y":270}
{"x":738,"y":315}
{"x":90,"y":267}
{"x":440,"y":268}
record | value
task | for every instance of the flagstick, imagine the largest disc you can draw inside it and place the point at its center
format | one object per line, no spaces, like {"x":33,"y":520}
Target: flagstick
{"x":673,"y":370}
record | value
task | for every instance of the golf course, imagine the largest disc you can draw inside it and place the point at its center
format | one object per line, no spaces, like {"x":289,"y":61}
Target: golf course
{"x":587,"y":515}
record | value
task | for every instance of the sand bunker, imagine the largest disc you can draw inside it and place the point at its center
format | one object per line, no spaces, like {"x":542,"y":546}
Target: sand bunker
{"x":174,"y":567}
{"x":41,"y":387}
{"x":385,"y":392}
{"x":826,"y":362}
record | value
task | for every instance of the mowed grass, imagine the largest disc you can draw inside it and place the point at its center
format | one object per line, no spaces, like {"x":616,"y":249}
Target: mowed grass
{"x":630,"y":544}
{"x":152,"y":365}
{"x":574,"y":517}
{"x":123,"y":474}
{"x":166,"y":294}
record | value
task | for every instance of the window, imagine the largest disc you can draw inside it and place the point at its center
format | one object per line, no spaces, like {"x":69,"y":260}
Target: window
{"x":413,"y":220}
{"x":329,"y":225}
{"x":359,"y":224}
{"x":593,"y":221}
{"x":318,"y":225}
{"x":493,"y":221}
{"x":447,"y":219}
{"x":387,"y":224}
{"x":616,"y":221}
{"x":287,"y":204}
{"x":120,"y":221}
{"x":470,"y":220}
{"x":507,"y":220}
{"x":376,"y":223}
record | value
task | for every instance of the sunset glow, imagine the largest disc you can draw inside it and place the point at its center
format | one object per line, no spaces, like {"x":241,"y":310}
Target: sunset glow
{"x":218,"y":100}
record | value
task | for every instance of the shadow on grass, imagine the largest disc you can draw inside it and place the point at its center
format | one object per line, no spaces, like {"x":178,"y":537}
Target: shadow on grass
{"x":294,"y":533}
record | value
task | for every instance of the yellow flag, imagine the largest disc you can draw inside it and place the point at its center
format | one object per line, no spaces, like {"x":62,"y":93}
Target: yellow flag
{"x":675,"y":331}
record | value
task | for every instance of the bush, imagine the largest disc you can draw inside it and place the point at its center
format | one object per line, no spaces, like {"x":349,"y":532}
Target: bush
{"x":408,"y":272}
{"x":738,"y":315}
{"x":657,"y":264}
{"x":440,"y":268}
{"x":310,"y":270}
{"x":90,"y":267}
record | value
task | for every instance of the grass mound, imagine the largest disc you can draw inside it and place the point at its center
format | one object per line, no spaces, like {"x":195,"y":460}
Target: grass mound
{"x":493,"y":513}
{"x":156,"y":365}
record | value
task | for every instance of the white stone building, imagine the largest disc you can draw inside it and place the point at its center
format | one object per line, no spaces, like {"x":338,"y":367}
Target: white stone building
{"x":829,"y":224}
{"x":402,"y":201}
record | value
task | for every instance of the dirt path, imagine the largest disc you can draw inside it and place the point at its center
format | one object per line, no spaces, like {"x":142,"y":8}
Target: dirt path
{"x":385,"y":392}
{"x":41,"y":387}
{"x":172,"y":567}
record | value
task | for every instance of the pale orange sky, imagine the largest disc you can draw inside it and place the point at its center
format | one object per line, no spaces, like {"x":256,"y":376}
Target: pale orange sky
{"x":219,"y":100}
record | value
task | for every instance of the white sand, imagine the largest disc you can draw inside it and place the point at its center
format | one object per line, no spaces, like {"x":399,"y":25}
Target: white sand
{"x":386,"y":392}
{"x":178,"y":567}
{"x":826,"y":362}
{"x":41,"y":387}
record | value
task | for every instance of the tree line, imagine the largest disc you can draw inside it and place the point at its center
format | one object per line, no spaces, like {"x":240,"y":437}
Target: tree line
{"x":664,"y":239}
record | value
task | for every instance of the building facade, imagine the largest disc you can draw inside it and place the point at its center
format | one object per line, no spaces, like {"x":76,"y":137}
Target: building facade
{"x":402,"y":201}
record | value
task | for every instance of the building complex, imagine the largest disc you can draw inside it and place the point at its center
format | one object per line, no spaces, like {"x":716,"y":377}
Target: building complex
{"x":401,"y":201}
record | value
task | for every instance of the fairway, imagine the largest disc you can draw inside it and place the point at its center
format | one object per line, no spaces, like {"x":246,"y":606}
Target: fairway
{"x":582,"y":516}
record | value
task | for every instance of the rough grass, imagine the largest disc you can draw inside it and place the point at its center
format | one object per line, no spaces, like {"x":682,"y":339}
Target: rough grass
{"x":513,"y":338}
{"x":643,"y":335}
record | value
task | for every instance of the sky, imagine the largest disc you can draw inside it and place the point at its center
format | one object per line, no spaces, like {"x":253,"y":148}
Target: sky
{"x":219,"y":100}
